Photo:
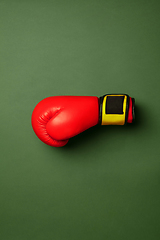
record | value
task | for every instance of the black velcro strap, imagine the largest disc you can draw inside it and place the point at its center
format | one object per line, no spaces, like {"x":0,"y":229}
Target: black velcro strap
{"x":114,"y":104}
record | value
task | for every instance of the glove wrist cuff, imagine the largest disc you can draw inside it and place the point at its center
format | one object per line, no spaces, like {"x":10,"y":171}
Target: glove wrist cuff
{"x":116,"y":109}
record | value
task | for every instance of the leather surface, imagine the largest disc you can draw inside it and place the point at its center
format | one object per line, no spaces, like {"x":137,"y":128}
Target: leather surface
{"x":56,"y":119}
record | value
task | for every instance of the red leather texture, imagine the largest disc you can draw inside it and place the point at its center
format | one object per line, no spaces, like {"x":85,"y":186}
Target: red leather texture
{"x":56,"y":119}
{"x":130,"y":115}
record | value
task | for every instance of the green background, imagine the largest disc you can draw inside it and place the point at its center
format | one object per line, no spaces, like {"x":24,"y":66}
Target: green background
{"x":105,"y":183}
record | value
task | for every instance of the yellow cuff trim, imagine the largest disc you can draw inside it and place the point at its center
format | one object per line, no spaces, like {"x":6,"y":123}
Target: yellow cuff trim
{"x":113,"y":119}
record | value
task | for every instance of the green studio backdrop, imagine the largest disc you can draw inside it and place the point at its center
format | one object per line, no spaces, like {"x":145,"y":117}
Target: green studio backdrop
{"x":105,"y":183}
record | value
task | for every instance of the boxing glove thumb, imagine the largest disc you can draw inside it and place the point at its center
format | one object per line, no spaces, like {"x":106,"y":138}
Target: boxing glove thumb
{"x":57,"y":119}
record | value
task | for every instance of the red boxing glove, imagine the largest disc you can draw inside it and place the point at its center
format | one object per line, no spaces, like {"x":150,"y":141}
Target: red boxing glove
{"x":57,"y":119}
